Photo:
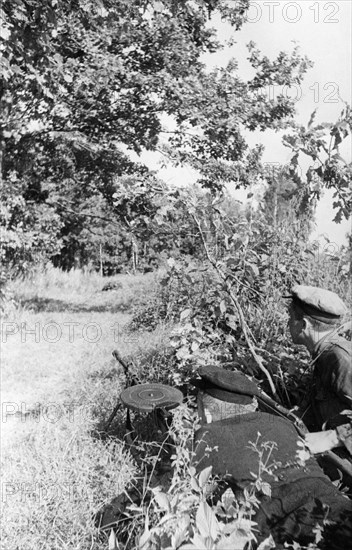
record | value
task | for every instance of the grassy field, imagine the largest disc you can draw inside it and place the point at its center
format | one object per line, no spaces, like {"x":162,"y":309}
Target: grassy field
{"x":59,"y":384}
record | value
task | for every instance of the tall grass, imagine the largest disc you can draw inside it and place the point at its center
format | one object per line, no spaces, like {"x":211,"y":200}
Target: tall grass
{"x":57,"y":393}
{"x":52,"y":289}
{"x":56,"y":478}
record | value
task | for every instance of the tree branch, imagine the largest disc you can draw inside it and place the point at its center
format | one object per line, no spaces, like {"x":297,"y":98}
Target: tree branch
{"x":55,"y":204}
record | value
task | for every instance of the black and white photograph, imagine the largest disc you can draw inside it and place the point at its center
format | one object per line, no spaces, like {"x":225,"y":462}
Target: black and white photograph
{"x":176,"y":274}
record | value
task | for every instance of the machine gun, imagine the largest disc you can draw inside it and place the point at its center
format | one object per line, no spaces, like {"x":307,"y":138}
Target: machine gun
{"x":156,"y":399}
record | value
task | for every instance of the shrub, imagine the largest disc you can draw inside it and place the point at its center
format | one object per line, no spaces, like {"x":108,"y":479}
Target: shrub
{"x":177,"y":513}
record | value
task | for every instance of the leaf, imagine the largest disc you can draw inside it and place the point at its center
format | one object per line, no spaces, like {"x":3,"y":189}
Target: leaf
{"x":319,"y":532}
{"x":181,"y":531}
{"x":194,"y":484}
{"x":200,"y":542}
{"x":162,"y":500}
{"x":312,"y":118}
{"x":51,"y":16}
{"x":237,"y":245}
{"x":266,"y":489}
{"x":231,"y":321}
{"x":267,"y":544}
{"x":183,"y":353}
{"x":185,"y":313}
{"x":204,"y":476}
{"x":113,"y":542}
{"x":236,"y":541}
{"x":206,"y":521}
{"x":192,"y":470}
{"x":232,"y":262}
{"x":222,"y":306}
{"x":5,"y":33}
{"x":227,"y":498}
{"x":254,"y":269}
{"x":143,"y":539}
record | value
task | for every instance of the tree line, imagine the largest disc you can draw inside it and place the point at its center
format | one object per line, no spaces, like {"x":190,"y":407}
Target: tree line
{"x":84,"y":81}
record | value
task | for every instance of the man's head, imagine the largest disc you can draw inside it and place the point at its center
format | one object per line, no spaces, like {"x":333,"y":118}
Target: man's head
{"x":313,"y":313}
{"x":224,"y":394}
{"x":211,"y":409}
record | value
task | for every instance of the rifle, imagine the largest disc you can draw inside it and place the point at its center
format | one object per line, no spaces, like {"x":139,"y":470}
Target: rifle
{"x":328,"y":456}
{"x":130,"y":381}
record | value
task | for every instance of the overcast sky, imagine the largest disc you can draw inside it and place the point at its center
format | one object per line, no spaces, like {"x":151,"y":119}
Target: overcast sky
{"x":323,"y":32}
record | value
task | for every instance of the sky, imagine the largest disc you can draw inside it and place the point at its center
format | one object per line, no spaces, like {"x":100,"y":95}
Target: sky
{"x":323,"y":32}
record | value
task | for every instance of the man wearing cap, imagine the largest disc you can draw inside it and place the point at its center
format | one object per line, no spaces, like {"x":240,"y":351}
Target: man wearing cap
{"x":315,"y":316}
{"x":302,"y":496}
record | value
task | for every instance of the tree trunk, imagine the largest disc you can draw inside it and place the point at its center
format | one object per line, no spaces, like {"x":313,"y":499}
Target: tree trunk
{"x":134,"y":255}
{"x":101,"y":260}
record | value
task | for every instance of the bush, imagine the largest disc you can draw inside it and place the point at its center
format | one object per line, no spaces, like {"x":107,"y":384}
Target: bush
{"x":258,"y":264}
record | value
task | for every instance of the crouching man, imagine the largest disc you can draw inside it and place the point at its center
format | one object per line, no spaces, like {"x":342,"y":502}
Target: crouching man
{"x":315,"y":315}
{"x":302,"y":496}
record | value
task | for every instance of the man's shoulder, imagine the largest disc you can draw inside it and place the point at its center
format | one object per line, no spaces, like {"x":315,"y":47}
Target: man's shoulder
{"x":345,"y":345}
{"x":333,"y":367}
{"x":337,"y":347}
{"x":251,"y":424}
{"x":232,"y":445}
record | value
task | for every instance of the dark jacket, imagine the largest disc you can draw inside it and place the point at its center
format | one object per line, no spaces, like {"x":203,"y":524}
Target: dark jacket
{"x":300,"y":494}
{"x":332,"y":379}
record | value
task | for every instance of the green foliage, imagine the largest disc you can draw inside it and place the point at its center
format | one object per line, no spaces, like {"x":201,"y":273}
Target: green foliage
{"x":321,"y":143}
{"x":29,"y":231}
{"x":180,"y":515}
{"x":82,"y":81}
{"x":170,"y":516}
{"x":261,"y":261}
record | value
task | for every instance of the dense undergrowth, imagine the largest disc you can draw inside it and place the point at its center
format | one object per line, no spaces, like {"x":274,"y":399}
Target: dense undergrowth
{"x":246,"y":267}
{"x":60,"y":468}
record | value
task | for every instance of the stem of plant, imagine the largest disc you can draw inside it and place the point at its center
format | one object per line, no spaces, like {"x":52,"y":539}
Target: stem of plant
{"x":243,"y":323}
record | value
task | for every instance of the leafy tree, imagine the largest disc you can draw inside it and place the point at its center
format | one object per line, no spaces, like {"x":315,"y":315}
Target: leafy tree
{"x":286,"y":200}
{"x":321,"y":143}
{"x":29,"y":231}
{"x":83,"y":80}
